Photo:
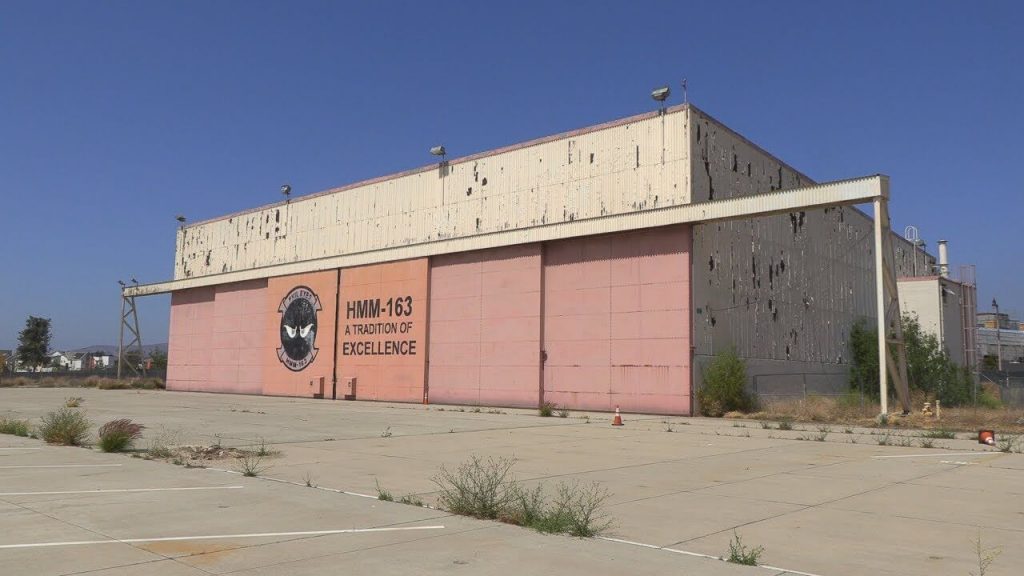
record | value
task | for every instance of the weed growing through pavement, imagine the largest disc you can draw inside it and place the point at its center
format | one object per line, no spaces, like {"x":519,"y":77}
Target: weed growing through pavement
{"x":1007,"y":443}
{"x":162,"y":443}
{"x":847,"y":430}
{"x":904,"y":441}
{"x":785,"y":425}
{"x":939,"y":433}
{"x":119,"y":435}
{"x":765,"y":425}
{"x":986,"y":556}
{"x":563,"y":412}
{"x":411,"y":500}
{"x":65,"y":426}
{"x":487,"y":489}
{"x":739,"y":553}
{"x":927,"y":443}
{"x":73,"y":401}
{"x":546,"y":409}
{"x":386,"y":433}
{"x":250,"y":463}
{"x":14,"y":427}
{"x":885,"y":439}
{"x":263,"y":450}
{"x":383,"y":494}
{"x":307,"y":478}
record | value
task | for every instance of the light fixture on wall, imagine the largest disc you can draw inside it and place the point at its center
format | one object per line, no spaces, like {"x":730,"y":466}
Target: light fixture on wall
{"x":287,"y":191}
{"x":439,"y":151}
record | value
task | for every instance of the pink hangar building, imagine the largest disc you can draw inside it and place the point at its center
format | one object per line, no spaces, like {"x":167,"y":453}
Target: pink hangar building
{"x":547,"y":271}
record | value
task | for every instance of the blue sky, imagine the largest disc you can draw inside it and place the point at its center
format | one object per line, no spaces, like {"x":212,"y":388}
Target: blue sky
{"x":115,"y":116}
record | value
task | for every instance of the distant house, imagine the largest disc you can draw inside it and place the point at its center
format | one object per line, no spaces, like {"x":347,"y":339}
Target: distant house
{"x":59,"y":361}
{"x":97,"y":361}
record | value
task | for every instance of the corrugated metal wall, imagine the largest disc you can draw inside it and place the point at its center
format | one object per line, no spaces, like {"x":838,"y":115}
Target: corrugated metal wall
{"x":783,"y":289}
{"x":625,"y":167}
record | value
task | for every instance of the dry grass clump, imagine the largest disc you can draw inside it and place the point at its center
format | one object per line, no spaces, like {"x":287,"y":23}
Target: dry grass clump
{"x":65,"y":426}
{"x":15,"y":427}
{"x":99,"y":382}
{"x":848,"y":409}
{"x":118,"y":435}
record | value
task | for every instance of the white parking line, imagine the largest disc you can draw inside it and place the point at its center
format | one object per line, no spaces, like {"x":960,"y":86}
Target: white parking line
{"x":13,"y":448}
{"x":934,"y":455}
{"x":697,"y":554}
{"x":219,"y":537}
{"x":119,"y":490}
{"x":63,"y":466}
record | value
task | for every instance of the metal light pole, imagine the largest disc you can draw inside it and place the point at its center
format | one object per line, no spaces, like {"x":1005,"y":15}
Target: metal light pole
{"x":999,"y":343}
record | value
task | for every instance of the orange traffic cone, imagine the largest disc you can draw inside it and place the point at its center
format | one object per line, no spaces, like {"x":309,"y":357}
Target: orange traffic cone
{"x":617,"y":421}
{"x":986,"y":437}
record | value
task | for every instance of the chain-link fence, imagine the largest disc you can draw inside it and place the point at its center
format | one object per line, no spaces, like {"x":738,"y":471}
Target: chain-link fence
{"x":72,"y":377}
{"x":1010,"y":383}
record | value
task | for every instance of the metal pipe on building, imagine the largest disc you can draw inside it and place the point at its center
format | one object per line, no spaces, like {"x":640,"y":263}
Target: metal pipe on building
{"x":943,"y":259}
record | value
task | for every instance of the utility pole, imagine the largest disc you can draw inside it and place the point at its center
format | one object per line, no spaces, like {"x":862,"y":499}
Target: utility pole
{"x":999,"y":342}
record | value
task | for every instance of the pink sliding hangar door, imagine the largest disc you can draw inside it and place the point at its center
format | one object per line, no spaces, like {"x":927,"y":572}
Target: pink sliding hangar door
{"x":485,"y":327}
{"x":616,"y":325}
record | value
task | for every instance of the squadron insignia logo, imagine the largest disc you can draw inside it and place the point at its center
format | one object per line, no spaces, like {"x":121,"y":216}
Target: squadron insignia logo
{"x":298,"y":328}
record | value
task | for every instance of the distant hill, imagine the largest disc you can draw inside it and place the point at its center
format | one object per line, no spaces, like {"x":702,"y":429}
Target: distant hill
{"x":112,"y":348}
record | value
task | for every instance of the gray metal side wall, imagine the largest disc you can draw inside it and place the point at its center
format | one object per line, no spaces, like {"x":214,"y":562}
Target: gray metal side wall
{"x":783,"y":290}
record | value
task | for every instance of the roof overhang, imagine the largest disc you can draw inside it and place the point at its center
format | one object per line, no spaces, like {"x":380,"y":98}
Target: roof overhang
{"x":837,"y":193}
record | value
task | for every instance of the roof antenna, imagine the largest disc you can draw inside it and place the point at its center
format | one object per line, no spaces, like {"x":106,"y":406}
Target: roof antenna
{"x":685,"y":99}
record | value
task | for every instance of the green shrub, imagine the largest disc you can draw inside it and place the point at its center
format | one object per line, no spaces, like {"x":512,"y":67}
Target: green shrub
{"x":547,"y":409}
{"x":725,"y":386}
{"x":577,"y":510}
{"x":864,"y":358}
{"x":383,"y":494}
{"x":487,"y":489}
{"x":411,"y":500}
{"x":929,"y":367}
{"x":65,"y":426}
{"x":525,"y":507}
{"x":250,"y":463}
{"x":739,"y":553}
{"x":477,"y":488}
{"x":118,"y":435}
{"x":15,"y":427}
{"x":987,"y":399}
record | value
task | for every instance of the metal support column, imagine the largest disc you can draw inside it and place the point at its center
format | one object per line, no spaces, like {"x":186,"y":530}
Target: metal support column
{"x":890,"y":321}
{"x":129,"y":320}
